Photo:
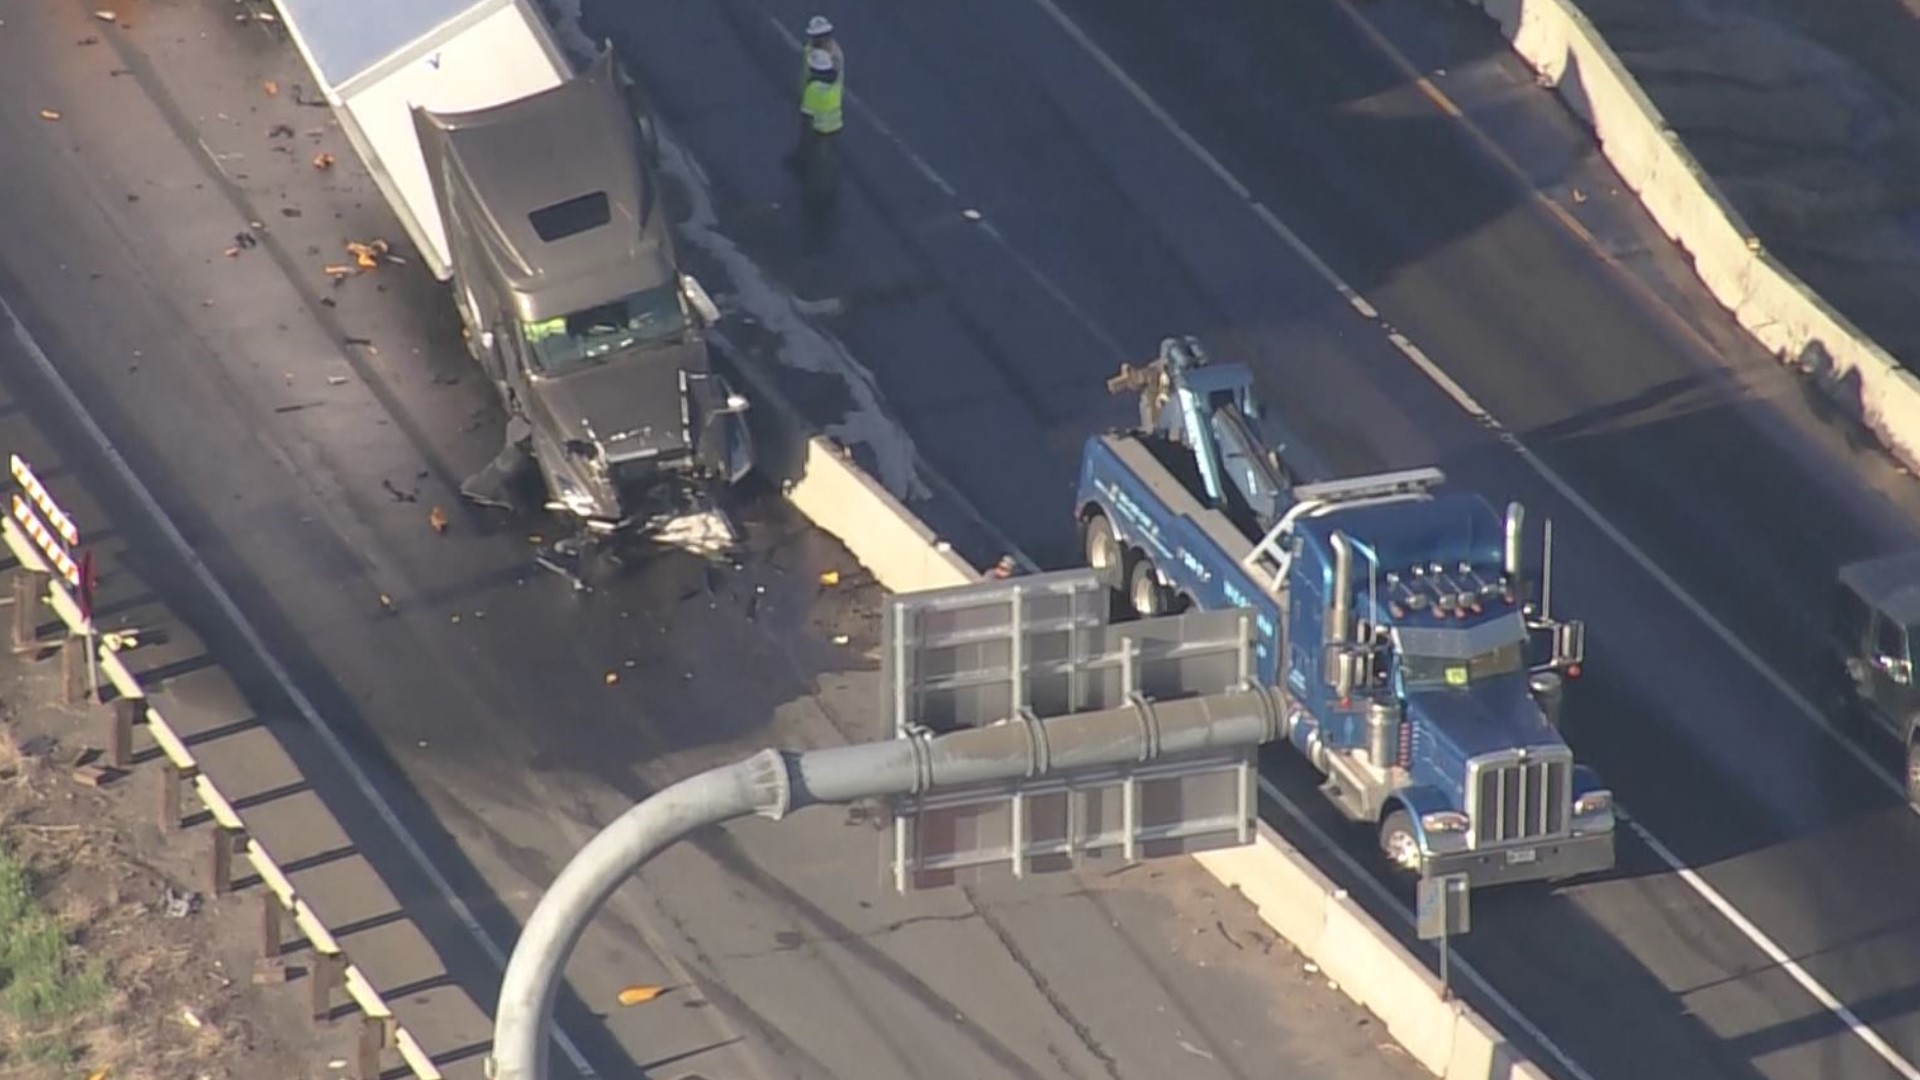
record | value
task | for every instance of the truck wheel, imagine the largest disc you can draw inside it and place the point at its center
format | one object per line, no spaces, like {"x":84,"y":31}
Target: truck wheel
{"x":1103,"y":550}
{"x":1913,"y":770}
{"x":1144,"y":591}
{"x":1398,"y":843}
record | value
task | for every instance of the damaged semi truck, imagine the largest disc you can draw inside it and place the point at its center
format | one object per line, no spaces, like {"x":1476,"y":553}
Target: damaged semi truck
{"x":532,"y":191}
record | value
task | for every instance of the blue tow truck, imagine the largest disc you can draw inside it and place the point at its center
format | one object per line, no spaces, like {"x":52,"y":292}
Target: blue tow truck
{"x":1420,"y":678}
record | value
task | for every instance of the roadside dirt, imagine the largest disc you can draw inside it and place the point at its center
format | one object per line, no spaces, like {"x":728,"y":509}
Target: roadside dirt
{"x":1807,"y":112}
{"x":177,"y":1000}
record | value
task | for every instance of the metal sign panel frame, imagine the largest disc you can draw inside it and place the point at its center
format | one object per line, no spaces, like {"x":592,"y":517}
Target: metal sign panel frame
{"x":973,"y":655}
{"x":1061,"y":822}
{"x":1045,"y":646}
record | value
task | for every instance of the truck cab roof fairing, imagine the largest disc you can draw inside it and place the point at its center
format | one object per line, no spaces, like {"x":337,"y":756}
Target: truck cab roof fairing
{"x":540,"y":152}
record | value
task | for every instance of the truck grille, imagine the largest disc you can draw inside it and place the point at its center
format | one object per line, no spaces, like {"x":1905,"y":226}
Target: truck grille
{"x":1515,"y":800}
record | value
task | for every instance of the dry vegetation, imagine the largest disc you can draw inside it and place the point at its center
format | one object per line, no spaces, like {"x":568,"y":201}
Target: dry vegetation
{"x":110,"y":966}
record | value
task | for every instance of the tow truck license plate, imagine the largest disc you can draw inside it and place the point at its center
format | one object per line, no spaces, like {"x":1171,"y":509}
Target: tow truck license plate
{"x":1518,"y":856}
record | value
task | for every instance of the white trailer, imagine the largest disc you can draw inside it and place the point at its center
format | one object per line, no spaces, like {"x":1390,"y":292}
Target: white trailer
{"x":376,"y":59}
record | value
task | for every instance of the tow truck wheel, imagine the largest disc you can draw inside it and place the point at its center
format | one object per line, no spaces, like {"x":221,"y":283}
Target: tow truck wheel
{"x":1103,"y":550}
{"x":1144,"y":591}
{"x":1913,"y":771}
{"x":1397,"y":841}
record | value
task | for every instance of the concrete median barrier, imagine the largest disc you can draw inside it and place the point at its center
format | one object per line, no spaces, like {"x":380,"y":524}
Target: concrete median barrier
{"x":1767,"y":299}
{"x":889,"y":541}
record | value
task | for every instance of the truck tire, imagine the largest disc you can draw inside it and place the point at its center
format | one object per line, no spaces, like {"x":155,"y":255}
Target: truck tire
{"x":1104,"y":555}
{"x":1398,"y":843}
{"x":1145,"y":594}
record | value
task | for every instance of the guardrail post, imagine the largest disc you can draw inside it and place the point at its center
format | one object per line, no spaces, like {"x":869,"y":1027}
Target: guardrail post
{"x":321,"y":981}
{"x":73,"y":668}
{"x":375,"y":1034}
{"x":28,"y":587}
{"x":126,"y":712}
{"x":226,"y":843}
{"x":271,"y":942}
{"x":173,"y":782}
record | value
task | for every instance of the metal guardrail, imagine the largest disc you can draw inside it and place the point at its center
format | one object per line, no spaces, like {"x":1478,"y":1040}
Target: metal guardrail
{"x":35,"y":582}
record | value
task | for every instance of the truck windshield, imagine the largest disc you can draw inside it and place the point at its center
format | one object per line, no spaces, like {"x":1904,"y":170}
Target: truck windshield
{"x":583,"y":338}
{"x":1454,"y":672}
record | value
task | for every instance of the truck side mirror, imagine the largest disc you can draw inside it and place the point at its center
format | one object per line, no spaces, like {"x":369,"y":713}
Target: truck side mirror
{"x":1343,"y":668}
{"x":1570,"y":643}
{"x":697,"y":298}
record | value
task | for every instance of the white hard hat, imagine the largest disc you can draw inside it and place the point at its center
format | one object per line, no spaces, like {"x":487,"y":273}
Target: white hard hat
{"x":819,"y":60}
{"x":818,"y":26}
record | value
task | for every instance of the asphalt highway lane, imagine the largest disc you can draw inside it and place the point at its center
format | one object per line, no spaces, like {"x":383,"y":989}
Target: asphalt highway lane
{"x":299,"y":432}
{"x":1605,"y":359}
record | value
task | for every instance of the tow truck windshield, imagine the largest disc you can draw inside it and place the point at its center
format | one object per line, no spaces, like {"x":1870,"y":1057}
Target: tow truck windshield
{"x":584,"y":338}
{"x":1457,"y":672}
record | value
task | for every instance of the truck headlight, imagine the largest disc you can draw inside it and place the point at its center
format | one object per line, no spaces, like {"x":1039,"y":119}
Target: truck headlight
{"x":1593,"y":802}
{"x":1444,"y":821}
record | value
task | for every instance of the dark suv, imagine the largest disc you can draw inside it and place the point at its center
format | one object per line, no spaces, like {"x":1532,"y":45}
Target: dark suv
{"x":1876,"y":616}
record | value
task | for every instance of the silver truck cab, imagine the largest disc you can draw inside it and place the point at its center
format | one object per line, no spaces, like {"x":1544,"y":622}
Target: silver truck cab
{"x":1872,"y":631}
{"x":565,"y":274}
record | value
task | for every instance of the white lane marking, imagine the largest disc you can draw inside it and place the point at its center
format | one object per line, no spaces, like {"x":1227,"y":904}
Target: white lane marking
{"x":1779,"y":956}
{"x":44,"y":365}
{"x":1479,"y":413}
{"x":932,"y":175}
{"x":1467,"y":402}
{"x":1456,"y":963}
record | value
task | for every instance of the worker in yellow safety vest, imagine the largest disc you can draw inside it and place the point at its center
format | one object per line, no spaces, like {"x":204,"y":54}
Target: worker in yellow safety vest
{"x":820,"y":36}
{"x":821,"y":112}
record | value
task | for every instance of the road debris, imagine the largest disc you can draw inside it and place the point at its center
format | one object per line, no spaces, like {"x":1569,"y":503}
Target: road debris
{"x":640,"y":995}
{"x":612,"y":677}
{"x":177,"y":904}
{"x":437,"y":520}
{"x":49,"y":114}
{"x":192,"y":1021}
{"x":95,"y":776}
{"x":272,"y":88}
{"x":830,"y":578}
{"x":107,"y":15}
{"x":387,"y":603}
{"x":336,"y":380}
{"x":369,"y":255}
{"x":841,"y":639}
{"x":323,"y":161}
